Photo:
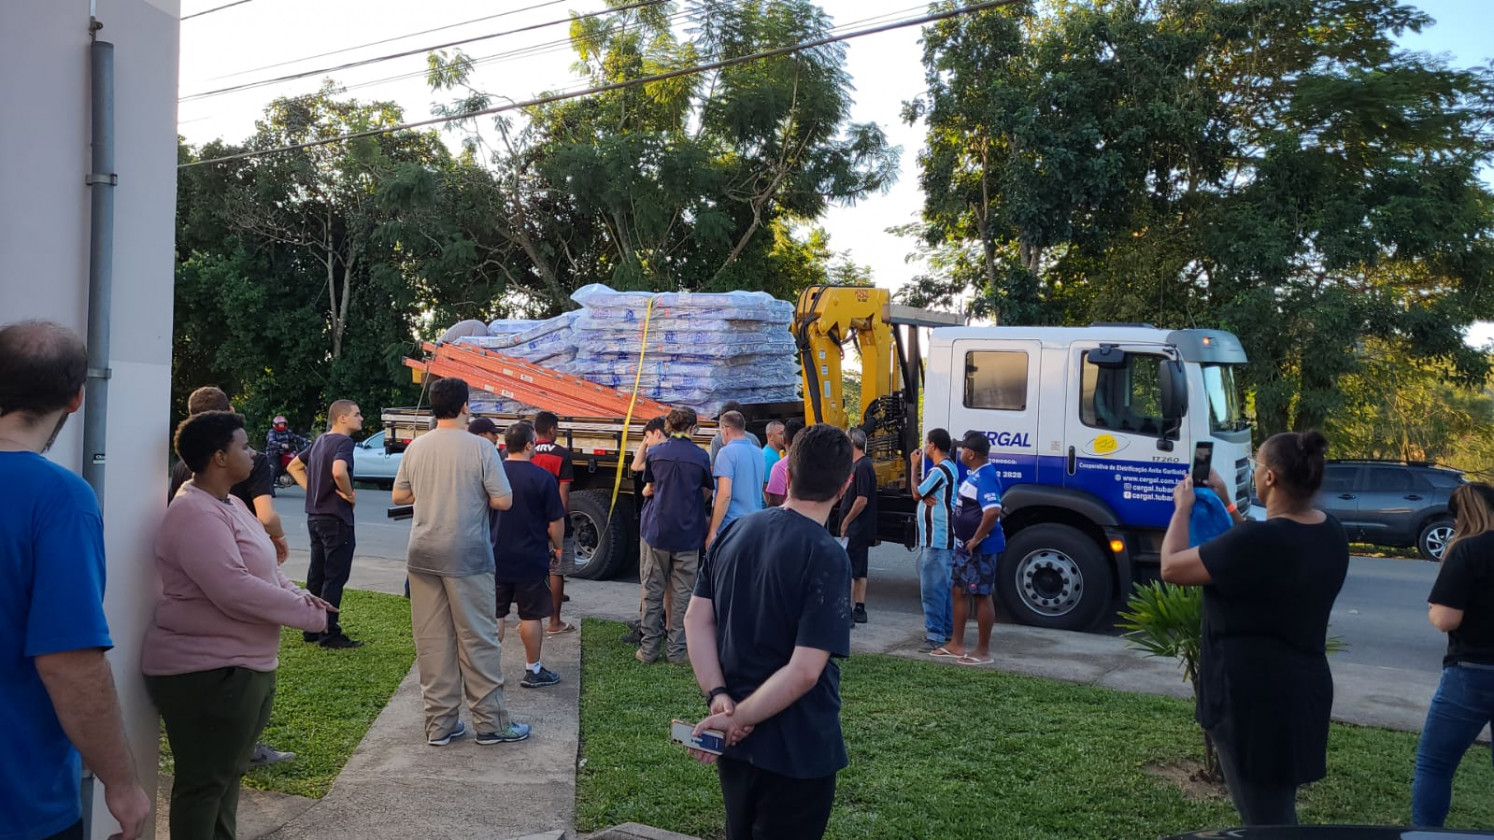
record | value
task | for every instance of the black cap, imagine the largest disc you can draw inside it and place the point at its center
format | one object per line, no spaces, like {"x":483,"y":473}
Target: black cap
{"x":482,"y":426}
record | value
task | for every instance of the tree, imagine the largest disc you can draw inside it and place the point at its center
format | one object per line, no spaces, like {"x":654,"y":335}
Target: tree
{"x":695,"y":182}
{"x":1275,"y":168}
{"x":1402,"y":410}
{"x":293,"y":288}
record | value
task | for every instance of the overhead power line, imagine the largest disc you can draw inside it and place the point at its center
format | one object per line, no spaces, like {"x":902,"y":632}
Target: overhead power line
{"x":422,"y":50}
{"x":529,"y":51}
{"x":378,"y":43}
{"x":216,"y":9}
{"x":642,"y":80}
{"x":534,"y":50}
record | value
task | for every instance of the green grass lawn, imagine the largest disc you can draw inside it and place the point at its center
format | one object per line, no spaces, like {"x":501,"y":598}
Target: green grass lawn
{"x":944,"y":751}
{"x":325,"y":700}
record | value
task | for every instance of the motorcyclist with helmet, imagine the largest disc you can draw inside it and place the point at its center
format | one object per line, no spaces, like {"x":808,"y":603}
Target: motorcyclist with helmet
{"x":281,"y":445}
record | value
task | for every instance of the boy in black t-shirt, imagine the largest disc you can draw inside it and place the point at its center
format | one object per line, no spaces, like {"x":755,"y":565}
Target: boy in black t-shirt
{"x":530,"y":534}
{"x":772,"y":606}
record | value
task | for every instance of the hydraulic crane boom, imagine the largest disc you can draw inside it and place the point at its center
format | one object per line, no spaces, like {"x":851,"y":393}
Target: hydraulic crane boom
{"x":891,"y":368}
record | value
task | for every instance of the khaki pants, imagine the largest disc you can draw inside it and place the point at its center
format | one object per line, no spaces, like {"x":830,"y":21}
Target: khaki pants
{"x":457,"y":650}
{"x":658,"y":571}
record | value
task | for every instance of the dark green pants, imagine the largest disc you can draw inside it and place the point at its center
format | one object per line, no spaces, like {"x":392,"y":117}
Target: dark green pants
{"x":213,"y":719}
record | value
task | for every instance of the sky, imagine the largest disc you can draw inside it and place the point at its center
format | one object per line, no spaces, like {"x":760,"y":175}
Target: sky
{"x":236,"y":45}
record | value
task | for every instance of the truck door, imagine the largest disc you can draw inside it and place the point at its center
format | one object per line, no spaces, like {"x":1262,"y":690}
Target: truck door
{"x":1118,"y":446}
{"x":998,"y":395}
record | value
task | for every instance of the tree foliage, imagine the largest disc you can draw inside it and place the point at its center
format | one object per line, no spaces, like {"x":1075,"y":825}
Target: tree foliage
{"x":307,"y":275}
{"x":1276,"y":168}
{"x":706,"y":182}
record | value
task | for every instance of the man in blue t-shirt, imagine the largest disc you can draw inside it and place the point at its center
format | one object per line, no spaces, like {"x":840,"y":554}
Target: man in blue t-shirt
{"x":57,"y":692}
{"x":934,"y":488}
{"x":775,"y":446}
{"x":979,"y":542}
{"x":325,"y":472}
{"x":530,"y":534}
{"x":772,"y":607}
{"x":740,"y":475}
{"x":676,"y":483}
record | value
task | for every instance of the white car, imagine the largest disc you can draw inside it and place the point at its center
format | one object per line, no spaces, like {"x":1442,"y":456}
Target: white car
{"x":373,"y":464}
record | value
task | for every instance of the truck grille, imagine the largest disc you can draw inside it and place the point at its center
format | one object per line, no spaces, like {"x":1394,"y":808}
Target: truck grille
{"x":1242,"y":485}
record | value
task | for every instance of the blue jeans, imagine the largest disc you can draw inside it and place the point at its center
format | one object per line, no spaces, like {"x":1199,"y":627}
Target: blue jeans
{"x":1463,"y":704}
{"x":934,"y":565}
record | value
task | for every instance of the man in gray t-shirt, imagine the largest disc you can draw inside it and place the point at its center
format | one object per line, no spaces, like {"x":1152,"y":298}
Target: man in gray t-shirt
{"x":454,"y":479}
{"x":453,"y":475}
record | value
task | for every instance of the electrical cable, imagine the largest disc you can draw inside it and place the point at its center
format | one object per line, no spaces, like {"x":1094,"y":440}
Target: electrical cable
{"x":630,"y":83}
{"x":216,"y":9}
{"x":390,"y":40}
{"x":375,"y":60}
{"x":530,"y":51}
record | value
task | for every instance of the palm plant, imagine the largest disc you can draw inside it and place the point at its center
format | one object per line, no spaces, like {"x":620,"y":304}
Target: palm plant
{"x":1166,"y":620}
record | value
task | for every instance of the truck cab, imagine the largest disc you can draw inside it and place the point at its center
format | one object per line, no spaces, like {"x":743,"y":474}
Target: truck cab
{"x":1090,"y":429}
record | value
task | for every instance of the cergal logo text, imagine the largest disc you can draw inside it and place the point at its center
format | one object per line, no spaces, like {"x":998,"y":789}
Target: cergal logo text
{"x":1009,"y":438}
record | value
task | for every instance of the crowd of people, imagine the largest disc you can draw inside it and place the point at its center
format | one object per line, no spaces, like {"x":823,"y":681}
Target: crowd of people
{"x":741,"y":575}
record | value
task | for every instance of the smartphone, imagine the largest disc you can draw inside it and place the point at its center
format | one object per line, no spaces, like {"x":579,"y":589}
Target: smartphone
{"x":709,"y":741}
{"x":1203,"y":461}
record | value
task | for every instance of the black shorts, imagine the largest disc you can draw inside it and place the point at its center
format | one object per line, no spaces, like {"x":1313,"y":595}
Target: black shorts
{"x":859,"y":559}
{"x":533,"y":599}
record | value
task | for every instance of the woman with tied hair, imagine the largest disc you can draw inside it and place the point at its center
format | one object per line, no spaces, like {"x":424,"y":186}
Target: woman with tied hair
{"x":1462,"y":606}
{"x":212,"y":647}
{"x":1264,"y":688}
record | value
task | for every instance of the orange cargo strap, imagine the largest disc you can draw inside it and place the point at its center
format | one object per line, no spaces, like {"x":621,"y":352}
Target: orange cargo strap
{"x":622,"y":453}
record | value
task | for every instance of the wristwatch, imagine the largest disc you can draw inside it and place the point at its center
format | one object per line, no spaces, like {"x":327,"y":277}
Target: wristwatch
{"x":714,"y":693}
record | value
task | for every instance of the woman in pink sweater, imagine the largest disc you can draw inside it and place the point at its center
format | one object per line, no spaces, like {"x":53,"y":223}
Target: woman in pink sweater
{"x":212,"y":649}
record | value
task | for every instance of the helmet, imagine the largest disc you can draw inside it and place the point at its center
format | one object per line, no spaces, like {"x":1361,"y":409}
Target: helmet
{"x":280,"y":422}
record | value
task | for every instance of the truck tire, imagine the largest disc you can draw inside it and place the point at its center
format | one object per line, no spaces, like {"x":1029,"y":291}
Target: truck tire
{"x":1054,"y":576}
{"x":602,"y":547}
{"x":1433,"y":539}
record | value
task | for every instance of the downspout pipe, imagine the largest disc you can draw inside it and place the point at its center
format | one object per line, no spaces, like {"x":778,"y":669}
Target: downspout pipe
{"x":101,"y":181}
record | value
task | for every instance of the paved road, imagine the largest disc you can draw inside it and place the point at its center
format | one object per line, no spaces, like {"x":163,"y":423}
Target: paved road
{"x":1381,"y":612}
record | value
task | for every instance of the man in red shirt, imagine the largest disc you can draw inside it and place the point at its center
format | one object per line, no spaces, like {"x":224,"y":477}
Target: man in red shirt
{"x":557,"y":460}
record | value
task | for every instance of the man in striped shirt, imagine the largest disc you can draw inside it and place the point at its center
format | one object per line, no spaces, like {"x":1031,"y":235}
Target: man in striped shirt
{"x":936,"y":540}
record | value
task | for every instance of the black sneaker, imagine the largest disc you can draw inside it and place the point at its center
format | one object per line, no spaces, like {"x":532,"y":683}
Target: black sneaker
{"x":339,"y":642}
{"x":632,"y":637}
{"x":539,"y":679}
{"x":311,"y":638}
{"x":858,"y":615}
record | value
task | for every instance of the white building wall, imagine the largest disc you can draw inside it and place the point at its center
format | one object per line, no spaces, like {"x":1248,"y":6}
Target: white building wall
{"x":44,"y":155}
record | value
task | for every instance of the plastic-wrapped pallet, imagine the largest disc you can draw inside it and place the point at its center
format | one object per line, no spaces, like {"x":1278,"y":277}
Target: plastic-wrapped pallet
{"x":702,"y":349}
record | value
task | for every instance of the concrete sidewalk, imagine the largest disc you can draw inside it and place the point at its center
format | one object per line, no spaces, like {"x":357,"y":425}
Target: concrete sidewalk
{"x":395,"y":782}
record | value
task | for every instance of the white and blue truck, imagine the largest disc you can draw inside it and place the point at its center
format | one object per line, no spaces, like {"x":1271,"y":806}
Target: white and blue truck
{"x":1090,"y":430}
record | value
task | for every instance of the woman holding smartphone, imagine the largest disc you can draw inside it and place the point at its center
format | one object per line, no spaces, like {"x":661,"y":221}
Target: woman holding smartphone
{"x":1462,"y":606}
{"x":1264,"y":688}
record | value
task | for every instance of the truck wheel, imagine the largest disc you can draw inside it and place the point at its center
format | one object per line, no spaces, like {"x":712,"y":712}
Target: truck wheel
{"x":1054,"y":576}
{"x":1432,"y":541}
{"x":602,"y":548}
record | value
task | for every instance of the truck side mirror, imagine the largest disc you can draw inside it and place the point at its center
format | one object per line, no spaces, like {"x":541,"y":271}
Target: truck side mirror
{"x":1174,"y":399}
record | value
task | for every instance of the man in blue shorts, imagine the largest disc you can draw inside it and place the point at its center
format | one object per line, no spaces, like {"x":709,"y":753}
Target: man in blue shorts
{"x":979,"y":542}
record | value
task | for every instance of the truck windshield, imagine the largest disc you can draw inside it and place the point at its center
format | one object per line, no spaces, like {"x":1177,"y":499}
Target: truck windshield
{"x":1226,"y":414}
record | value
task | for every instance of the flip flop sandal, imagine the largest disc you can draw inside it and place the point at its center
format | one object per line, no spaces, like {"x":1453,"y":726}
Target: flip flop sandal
{"x":943,"y":653}
{"x":565,"y":627}
{"x":970,"y":660}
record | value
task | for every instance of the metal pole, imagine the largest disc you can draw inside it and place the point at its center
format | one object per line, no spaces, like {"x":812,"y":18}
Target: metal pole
{"x":101,"y":180}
